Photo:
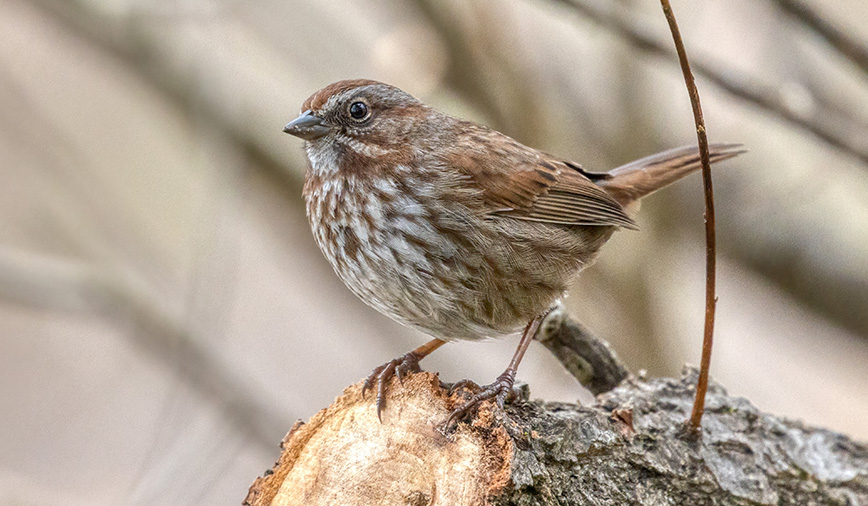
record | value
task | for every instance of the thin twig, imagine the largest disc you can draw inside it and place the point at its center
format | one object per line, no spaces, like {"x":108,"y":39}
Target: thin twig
{"x":840,"y":40}
{"x":710,"y":241}
{"x":846,"y":136}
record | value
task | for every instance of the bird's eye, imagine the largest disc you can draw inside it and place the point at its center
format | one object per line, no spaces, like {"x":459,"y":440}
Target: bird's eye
{"x":358,"y":110}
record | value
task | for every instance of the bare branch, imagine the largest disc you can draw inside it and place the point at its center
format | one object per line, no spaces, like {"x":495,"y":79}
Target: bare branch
{"x":587,"y":357}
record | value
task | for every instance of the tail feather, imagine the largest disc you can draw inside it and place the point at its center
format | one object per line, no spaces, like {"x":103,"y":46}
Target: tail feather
{"x":629,"y":183}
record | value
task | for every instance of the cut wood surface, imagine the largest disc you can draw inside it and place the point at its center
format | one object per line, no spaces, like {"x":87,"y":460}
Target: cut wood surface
{"x":629,"y":447}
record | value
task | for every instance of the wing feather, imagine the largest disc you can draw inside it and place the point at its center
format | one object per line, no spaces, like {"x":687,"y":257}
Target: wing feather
{"x":525,"y":184}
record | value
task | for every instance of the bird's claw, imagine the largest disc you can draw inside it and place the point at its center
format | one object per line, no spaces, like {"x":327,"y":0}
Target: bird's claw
{"x":401,"y":367}
{"x":465,"y":384}
{"x":501,"y":391}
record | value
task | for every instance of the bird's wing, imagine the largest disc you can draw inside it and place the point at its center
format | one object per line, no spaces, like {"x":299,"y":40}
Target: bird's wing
{"x":522,"y":183}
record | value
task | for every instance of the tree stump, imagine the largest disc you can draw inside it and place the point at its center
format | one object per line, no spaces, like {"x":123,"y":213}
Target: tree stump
{"x":629,"y":447}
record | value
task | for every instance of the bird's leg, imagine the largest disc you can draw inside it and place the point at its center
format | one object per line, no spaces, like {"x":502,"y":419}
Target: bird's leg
{"x":401,"y":367}
{"x":501,"y":390}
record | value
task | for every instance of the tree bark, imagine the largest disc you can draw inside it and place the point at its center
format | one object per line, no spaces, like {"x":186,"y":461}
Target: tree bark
{"x":629,"y":447}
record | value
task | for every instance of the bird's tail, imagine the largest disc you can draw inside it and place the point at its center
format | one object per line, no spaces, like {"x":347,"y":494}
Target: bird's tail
{"x":629,"y":183}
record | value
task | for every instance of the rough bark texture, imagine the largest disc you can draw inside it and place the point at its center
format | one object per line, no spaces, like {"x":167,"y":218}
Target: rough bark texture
{"x":588,"y":358}
{"x":627,"y":448}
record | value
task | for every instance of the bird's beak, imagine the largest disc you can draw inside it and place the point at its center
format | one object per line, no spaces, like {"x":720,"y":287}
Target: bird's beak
{"x":307,"y":127}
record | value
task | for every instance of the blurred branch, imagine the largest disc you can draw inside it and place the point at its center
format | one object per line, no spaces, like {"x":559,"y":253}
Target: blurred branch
{"x":827,"y":126}
{"x":817,"y":282}
{"x":35,"y":281}
{"x":512,"y":105}
{"x":464,"y":74}
{"x":839,"y":39}
{"x":161,"y":62}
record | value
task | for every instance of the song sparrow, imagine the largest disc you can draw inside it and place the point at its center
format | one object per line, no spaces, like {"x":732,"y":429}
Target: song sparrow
{"x":451,"y":227}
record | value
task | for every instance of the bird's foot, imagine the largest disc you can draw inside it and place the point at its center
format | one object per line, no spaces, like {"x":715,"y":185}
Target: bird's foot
{"x":469,"y":385}
{"x":401,"y":367}
{"x":501,"y":391}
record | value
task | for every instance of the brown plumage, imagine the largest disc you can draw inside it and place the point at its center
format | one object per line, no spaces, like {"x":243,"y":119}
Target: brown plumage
{"x":451,"y":227}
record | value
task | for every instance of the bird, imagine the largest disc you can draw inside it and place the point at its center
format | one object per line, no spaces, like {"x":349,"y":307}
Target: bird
{"x":453,"y":228}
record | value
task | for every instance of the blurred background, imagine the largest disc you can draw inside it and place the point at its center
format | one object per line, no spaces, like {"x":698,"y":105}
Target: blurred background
{"x":165,"y":315}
